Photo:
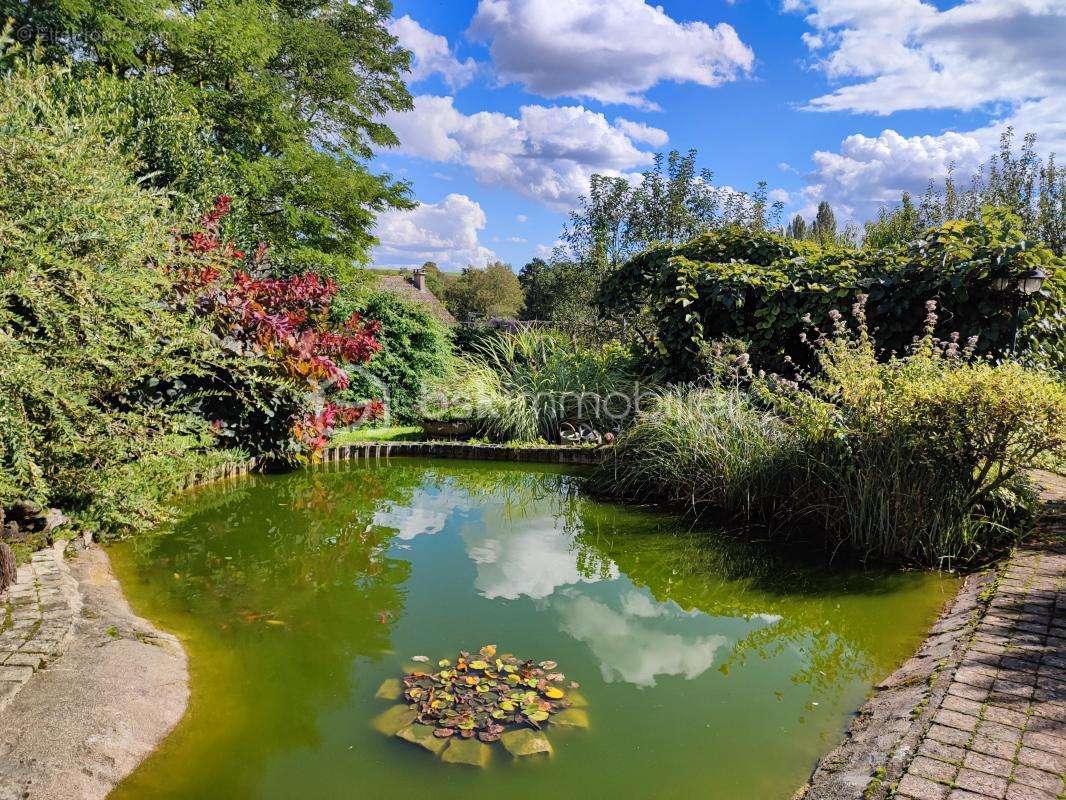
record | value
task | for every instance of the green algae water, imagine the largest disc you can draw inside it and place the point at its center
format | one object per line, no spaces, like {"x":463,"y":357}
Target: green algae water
{"x":712,"y":668}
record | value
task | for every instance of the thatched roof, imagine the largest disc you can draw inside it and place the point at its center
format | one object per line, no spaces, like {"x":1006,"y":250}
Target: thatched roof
{"x":402,"y":287}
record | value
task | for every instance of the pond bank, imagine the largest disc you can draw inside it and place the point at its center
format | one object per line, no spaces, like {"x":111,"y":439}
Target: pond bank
{"x":94,"y":699}
{"x":980,"y":711}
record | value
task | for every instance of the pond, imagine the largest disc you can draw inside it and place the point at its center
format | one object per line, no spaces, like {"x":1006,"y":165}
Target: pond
{"x":711,"y":667}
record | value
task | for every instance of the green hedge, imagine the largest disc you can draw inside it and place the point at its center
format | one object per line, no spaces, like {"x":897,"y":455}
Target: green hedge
{"x":767,"y":290}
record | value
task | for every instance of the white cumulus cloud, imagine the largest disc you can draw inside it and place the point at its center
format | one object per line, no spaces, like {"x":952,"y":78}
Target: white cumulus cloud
{"x":607,"y":50}
{"x":431,"y":54}
{"x":1004,"y":57}
{"x":546,"y":153}
{"x":907,"y":54}
{"x":445,"y":232}
{"x":869,"y":171}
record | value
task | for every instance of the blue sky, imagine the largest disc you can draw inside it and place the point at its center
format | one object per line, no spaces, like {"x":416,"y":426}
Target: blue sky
{"x":853,"y":101}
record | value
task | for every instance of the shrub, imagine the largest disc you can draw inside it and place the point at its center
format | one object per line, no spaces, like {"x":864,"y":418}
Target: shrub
{"x":415,"y":348}
{"x":921,"y":457}
{"x":273,"y":381}
{"x":764,"y":289}
{"x":915,"y":458}
{"x":83,"y":325}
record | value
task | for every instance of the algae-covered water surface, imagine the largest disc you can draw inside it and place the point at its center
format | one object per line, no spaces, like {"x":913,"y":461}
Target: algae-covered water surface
{"x":711,"y":668}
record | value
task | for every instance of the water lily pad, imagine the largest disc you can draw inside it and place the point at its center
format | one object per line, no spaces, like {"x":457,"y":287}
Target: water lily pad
{"x":422,"y":735}
{"x":466,"y":751}
{"x":571,"y":718}
{"x":526,"y":742}
{"x":390,"y":689}
{"x":554,"y":694}
{"x":394,"y":719}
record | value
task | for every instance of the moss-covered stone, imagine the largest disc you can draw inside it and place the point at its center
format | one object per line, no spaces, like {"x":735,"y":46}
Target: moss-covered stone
{"x":577,"y":700}
{"x":571,"y":718}
{"x":390,"y":689}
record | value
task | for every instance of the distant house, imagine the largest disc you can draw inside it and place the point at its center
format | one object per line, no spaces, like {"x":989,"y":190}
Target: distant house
{"x":414,"y":288}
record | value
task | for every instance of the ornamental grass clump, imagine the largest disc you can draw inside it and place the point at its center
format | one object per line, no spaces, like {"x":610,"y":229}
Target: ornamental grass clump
{"x":546,"y":379}
{"x":699,"y":447}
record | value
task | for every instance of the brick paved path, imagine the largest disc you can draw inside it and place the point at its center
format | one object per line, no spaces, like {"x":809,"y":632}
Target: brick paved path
{"x":36,"y":614}
{"x":1000,"y":731}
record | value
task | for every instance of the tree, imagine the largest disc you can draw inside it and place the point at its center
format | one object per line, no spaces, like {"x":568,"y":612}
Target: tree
{"x":824,"y":227}
{"x":291,"y":94}
{"x":492,"y":291}
{"x":673,"y":202}
{"x":797,"y":228}
{"x":536,"y":289}
{"x":1031,"y":187}
{"x":435,"y":279}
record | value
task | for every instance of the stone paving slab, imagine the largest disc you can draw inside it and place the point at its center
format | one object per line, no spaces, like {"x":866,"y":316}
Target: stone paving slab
{"x":36,"y":616}
{"x":1000,"y":731}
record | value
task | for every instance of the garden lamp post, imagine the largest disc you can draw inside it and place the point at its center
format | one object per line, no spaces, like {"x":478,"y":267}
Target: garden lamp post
{"x":1029,"y":282}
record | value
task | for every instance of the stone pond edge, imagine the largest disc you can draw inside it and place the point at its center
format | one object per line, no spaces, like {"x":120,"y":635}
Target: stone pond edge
{"x":890,"y":725}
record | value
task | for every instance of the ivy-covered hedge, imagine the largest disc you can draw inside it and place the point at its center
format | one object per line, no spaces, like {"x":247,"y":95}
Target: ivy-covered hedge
{"x":767,"y":290}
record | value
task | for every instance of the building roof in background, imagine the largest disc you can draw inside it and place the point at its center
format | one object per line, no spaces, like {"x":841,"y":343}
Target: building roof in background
{"x":399,"y":285}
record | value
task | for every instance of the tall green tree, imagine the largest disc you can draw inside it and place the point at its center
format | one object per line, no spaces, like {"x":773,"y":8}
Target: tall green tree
{"x":824,"y":227}
{"x":481,"y":293}
{"x":797,"y":228}
{"x":292,"y":93}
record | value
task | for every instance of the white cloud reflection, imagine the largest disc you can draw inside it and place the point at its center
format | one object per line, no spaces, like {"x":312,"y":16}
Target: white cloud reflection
{"x":632,"y":648}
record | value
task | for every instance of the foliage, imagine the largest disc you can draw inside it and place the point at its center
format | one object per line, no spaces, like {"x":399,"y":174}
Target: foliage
{"x":522,"y":386}
{"x":1032,"y":188}
{"x":560,"y":292}
{"x":919,"y":457}
{"x":915,"y":458}
{"x":154,"y":120}
{"x":291,"y":95}
{"x":83,"y":326}
{"x":763,"y":288}
{"x":482,"y":695}
{"x":482,"y":293}
{"x":699,"y":447}
{"x":289,"y":358}
{"x":415,"y":347}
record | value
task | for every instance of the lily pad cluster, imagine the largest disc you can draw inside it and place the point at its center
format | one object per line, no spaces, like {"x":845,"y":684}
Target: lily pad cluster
{"x":484,"y":697}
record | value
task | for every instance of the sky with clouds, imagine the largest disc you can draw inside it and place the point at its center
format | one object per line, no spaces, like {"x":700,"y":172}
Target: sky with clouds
{"x":518,"y":102}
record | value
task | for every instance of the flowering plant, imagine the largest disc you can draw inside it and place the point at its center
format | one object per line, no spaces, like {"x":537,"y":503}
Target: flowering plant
{"x":280,"y":322}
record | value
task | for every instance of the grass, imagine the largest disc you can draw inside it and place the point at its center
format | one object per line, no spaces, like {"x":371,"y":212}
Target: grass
{"x":544,"y":379}
{"x":394,"y":433}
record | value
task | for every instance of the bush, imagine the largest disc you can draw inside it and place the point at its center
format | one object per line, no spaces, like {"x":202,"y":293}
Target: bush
{"x":415,"y":348}
{"x":83,"y":325}
{"x":918,"y":458}
{"x":764,"y":289}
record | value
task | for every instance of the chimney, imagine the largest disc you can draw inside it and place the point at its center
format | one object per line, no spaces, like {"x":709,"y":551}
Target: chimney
{"x":418,"y":276}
